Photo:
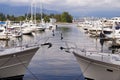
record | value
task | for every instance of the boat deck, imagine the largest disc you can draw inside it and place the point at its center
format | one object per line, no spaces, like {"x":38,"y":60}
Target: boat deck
{"x":103,"y":57}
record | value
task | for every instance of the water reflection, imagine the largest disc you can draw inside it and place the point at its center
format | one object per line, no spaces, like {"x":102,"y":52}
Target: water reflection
{"x":64,"y":30}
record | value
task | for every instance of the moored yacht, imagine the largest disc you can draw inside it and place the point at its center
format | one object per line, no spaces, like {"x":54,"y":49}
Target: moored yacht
{"x":96,"y":65}
{"x":28,"y":27}
{"x":14,"y":61}
{"x":96,"y":28}
{"x":113,"y":33}
{"x":99,"y":66}
{"x":4,"y":33}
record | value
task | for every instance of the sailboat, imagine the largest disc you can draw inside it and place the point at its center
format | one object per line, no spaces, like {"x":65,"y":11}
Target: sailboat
{"x":46,"y":25}
{"x":30,"y":26}
{"x":42,"y":25}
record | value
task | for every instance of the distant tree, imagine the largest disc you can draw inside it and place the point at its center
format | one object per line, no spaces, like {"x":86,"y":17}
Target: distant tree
{"x":11,"y":17}
{"x":66,"y":17}
{"x":51,"y":15}
{"x":2,"y":17}
{"x":46,"y":19}
{"x":20,"y":18}
{"x":8,"y":16}
{"x":57,"y":17}
{"x":38,"y":16}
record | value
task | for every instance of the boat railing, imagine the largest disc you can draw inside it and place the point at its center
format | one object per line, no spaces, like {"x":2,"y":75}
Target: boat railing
{"x":6,"y":50}
{"x":91,"y":53}
{"x":104,"y":57}
{"x":20,"y":45}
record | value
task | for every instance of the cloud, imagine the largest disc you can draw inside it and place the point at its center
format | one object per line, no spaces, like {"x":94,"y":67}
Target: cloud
{"x":69,"y":3}
{"x":73,"y":6}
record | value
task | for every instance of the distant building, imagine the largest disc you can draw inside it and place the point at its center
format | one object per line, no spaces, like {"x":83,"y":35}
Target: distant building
{"x":77,"y":20}
{"x":52,"y":20}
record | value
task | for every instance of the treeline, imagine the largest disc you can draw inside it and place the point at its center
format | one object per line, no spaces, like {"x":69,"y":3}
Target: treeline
{"x":64,"y":17}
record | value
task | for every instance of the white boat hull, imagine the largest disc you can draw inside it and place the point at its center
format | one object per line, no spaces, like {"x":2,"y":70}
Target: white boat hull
{"x":97,"y":70}
{"x":27,"y":31}
{"x":15,"y":64}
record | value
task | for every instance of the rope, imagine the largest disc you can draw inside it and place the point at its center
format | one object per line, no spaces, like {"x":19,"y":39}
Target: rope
{"x":6,"y":61}
{"x":27,"y":68}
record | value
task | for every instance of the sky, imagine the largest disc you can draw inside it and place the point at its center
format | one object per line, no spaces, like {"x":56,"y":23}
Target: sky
{"x":97,"y":8}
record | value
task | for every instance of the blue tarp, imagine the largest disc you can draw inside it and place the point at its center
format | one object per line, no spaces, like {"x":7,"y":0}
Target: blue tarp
{"x":2,"y":22}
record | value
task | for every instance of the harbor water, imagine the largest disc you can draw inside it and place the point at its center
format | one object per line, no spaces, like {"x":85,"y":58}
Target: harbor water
{"x":53,"y":63}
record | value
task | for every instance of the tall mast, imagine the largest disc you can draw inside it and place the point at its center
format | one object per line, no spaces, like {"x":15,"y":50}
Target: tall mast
{"x":32,"y":10}
{"x":35,"y":11}
{"x":41,"y":10}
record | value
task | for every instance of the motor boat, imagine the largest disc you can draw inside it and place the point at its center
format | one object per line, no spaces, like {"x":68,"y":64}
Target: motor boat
{"x":96,"y":65}
{"x":14,"y":61}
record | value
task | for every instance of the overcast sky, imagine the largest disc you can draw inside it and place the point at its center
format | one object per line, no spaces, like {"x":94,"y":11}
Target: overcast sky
{"x":75,"y":7}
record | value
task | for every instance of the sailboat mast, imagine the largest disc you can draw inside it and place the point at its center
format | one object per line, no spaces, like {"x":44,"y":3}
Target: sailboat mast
{"x":113,"y":27}
{"x":41,"y":10}
{"x":32,"y":10}
{"x":35,"y":11}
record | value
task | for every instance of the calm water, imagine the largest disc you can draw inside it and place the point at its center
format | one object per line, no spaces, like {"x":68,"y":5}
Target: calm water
{"x":53,"y":63}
